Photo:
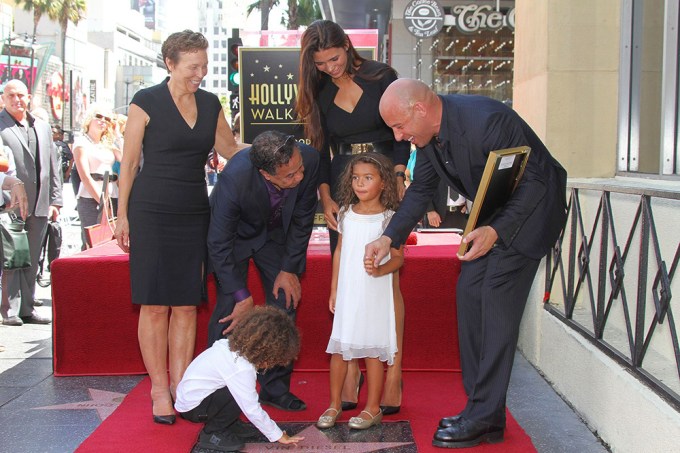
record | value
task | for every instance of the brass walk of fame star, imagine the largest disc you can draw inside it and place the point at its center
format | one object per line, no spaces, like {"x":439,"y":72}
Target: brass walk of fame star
{"x":102,"y":401}
{"x":316,"y":440}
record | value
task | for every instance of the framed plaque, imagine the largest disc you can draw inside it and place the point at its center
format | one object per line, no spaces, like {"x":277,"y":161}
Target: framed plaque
{"x":501,"y":175}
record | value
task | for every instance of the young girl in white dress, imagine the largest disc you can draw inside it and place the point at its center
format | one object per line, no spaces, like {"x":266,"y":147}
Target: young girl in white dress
{"x":362,"y":298}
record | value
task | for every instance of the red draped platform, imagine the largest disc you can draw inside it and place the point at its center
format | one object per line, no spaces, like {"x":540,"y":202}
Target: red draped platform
{"x":95,"y":324}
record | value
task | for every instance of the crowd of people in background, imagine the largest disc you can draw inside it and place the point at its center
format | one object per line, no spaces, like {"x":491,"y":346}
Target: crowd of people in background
{"x":372,"y":136}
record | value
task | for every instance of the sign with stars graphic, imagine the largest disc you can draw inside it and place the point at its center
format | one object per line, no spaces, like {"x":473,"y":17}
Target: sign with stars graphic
{"x":269,"y":87}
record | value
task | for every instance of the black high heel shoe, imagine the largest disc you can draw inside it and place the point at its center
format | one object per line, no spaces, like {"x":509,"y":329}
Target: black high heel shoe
{"x":348,"y":405}
{"x":163,"y":419}
{"x":391,"y":410}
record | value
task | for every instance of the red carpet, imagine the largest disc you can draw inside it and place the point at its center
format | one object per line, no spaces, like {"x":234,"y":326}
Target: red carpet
{"x":95,"y":325}
{"x":428,"y":396}
{"x":96,"y":284}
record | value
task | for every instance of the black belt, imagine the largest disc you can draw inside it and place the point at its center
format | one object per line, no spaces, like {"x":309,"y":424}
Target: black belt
{"x":99,"y":177}
{"x":383,"y":147}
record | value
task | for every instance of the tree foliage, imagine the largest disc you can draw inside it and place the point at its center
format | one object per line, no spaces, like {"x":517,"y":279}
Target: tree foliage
{"x":65,"y":11}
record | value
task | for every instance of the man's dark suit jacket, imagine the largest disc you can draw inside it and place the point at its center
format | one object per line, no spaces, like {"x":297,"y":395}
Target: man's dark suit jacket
{"x":240,"y":212}
{"x":472,"y":127}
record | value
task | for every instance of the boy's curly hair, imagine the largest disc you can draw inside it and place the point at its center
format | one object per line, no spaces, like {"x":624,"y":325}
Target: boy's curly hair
{"x":266,"y":337}
{"x":389,"y":197}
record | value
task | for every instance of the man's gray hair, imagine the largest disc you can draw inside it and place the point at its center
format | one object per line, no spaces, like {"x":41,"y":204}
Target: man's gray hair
{"x":271,"y":149}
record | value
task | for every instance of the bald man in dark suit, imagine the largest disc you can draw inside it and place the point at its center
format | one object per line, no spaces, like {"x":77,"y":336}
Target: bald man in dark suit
{"x":454,"y":135}
{"x":37,"y":165}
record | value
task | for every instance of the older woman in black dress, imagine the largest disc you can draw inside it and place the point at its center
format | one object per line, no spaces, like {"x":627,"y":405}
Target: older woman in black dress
{"x":163,"y":209}
{"x":338,"y":99}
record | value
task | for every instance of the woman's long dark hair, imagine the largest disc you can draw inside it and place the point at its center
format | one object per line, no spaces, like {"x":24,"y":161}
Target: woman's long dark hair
{"x":320,"y":35}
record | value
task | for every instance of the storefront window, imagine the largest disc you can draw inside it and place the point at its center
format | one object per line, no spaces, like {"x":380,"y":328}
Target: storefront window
{"x":474,"y":55}
{"x":648,"y":116}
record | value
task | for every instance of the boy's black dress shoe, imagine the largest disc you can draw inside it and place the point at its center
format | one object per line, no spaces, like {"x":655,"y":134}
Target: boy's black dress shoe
{"x":467,"y":433}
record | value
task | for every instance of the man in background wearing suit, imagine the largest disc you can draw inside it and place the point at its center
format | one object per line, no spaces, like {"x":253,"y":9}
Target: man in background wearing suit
{"x":447,"y":209}
{"x":37,"y":165}
{"x":263,"y":207}
{"x":454,"y":135}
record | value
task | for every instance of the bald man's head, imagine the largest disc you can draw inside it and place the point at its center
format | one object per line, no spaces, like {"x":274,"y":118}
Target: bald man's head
{"x":412,"y":110}
{"x":16,"y":99}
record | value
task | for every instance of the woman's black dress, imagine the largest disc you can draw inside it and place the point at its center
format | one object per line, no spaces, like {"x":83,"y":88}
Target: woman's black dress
{"x":168,"y":208}
{"x":363,"y":125}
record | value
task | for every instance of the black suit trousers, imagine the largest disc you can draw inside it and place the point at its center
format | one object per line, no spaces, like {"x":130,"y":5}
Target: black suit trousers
{"x":276,"y":381}
{"x":217,"y":410}
{"x":490,"y":296}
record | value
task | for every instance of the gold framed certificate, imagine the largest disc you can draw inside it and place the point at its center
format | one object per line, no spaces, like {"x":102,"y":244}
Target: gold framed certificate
{"x":501,"y":175}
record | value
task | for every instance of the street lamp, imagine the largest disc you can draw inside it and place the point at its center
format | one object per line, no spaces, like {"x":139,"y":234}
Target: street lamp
{"x":127,"y":94}
{"x":31,"y":84}
{"x":9,"y":55}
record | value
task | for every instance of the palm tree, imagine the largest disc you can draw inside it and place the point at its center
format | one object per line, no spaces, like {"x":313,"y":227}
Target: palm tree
{"x":301,"y":12}
{"x":39,"y":7}
{"x":64,"y":11}
{"x":292,"y":15}
{"x":265,"y":7}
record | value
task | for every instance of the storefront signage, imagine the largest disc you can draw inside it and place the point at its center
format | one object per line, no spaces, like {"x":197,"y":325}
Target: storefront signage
{"x":424,"y":18}
{"x":472,"y":18}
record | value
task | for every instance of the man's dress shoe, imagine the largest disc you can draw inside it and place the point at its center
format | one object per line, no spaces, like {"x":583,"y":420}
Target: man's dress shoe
{"x":12,"y":321}
{"x":36,"y":319}
{"x":447,"y":422}
{"x":467,"y":433}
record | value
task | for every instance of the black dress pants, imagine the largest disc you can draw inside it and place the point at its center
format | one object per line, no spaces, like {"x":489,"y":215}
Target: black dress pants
{"x":217,"y":410}
{"x":276,"y":381}
{"x":490,"y":297}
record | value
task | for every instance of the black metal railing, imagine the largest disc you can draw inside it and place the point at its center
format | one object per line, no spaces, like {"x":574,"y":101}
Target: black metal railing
{"x":616,"y":289}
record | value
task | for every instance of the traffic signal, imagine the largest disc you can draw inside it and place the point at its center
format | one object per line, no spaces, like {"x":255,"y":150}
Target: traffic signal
{"x":233,"y":73}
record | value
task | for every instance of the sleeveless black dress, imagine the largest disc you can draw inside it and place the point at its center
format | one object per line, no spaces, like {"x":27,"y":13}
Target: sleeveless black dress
{"x":168,"y":208}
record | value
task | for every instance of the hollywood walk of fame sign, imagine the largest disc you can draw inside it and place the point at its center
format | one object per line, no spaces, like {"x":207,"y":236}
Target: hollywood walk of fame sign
{"x":268,"y":90}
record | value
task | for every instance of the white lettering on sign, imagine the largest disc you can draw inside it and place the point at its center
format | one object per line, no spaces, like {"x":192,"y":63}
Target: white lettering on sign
{"x":472,"y":18}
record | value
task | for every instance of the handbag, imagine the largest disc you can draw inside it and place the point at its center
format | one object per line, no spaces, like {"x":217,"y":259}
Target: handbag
{"x":102,"y":231}
{"x":15,"y":250}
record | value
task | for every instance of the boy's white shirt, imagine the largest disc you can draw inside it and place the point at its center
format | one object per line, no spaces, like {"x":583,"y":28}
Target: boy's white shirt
{"x":217,"y":367}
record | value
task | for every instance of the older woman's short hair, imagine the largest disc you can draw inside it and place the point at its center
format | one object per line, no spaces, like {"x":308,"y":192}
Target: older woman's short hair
{"x":182,"y":41}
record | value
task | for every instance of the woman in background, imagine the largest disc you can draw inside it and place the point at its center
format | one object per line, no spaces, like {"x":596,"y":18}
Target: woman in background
{"x":94,"y":154}
{"x":338,"y":97}
{"x":163,"y":210}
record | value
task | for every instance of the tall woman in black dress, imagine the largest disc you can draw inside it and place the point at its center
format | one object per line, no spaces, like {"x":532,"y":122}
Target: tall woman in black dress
{"x":338,"y":99}
{"x":163,"y":209}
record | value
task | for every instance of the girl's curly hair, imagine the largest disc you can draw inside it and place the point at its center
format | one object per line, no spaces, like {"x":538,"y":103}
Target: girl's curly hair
{"x":266,"y":337}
